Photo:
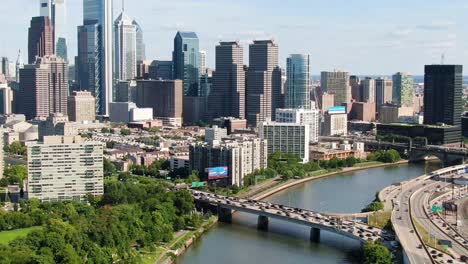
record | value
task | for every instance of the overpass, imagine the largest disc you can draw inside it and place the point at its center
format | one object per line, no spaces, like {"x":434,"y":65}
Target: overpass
{"x":224,"y":206}
{"x":448,"y":155}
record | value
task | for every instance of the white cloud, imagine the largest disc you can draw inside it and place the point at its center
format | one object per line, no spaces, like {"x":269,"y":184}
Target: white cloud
{"x":437,"y":25}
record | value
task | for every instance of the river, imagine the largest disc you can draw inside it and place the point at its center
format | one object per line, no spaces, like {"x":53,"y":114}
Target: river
{"x":240,"y":242}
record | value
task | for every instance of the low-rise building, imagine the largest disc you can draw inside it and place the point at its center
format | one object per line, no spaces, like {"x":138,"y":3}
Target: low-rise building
{"x":65,"y":168}
{"x":214,"y":133}
{"x":232,"y":124}
{"x":178,"y":162}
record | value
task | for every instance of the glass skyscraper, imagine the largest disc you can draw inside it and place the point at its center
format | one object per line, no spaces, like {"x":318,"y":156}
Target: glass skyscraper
{"x":403,"y":90}
{"x":57,"y":12}
{"x":100,"y":13}
{"x":298,"y":80}
{"x":125,"y":58}
{"x":186,"y":60}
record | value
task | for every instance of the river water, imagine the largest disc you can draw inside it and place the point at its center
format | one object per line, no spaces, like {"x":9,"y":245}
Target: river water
{"x":240,"y":242}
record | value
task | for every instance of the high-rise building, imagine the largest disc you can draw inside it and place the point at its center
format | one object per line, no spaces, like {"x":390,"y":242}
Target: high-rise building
{"x":368,"y":90}
{"x":6,"y":98}
{"x":327,"y":100}
{"x":290,"y":138}
{"x":57,"y":12}
{"x":242,"y":156}
{"x":302,"y":116}
{"x":99,"y":13}
{"x":203,"y":62}
{"x":383,"y":92}
{"x":263,"y":90}
{"x":337,"y":82}
{"x":336,"y":121}
{"x":42,"y":95}
{"x":186,"y":61}
{"x":356,"y":88}
{"x":298,"y":81}
{"x":403,"y":90}
{"x":19,"y":66}
{"x":227,"y":95}
{"x":57,"y":124}
{"x":125,"y":57}
{"x":165,"y":97}
{"x":443,"y":90}
{"x":161,"y":70}
{"x":215,"y":133}
{"x":140,"y":43}
{"x":40,"y":38}
{"x":5,"y":67}
{"x":81,"y":106}
{"x":125,"y":91}
{"x":53,"y":176}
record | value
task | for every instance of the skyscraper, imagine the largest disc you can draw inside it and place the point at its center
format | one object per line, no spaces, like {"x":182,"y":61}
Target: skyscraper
{"x":227,"y":95}
{"x":57,"y":12}
{"x":125,"y":48}
{"x":383,"y":92}
{"x":19,"y":66}
{"x":356,"y":88}
{"x":42,"y":95}
{"x":99,"y":13}
{"x":40,"y":38}
{"x":140,"y":42}
{"x":298,"y":79}
{"x":337,"y":82}
{"x":263,"y":92}
{"x":443,"y":88}
{"x":81,"y":107}
{"x":5,"y":67}
{"x":202,"y":62}
{"x":186,"y":61}
{"x":403,"y":90}
{"x":368,"y":90}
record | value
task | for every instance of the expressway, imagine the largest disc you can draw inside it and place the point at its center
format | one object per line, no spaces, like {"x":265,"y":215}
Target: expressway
{"x":349,"y":228}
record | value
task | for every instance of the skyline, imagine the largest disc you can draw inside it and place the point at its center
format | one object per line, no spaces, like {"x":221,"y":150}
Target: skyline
{"x":350,"y":41}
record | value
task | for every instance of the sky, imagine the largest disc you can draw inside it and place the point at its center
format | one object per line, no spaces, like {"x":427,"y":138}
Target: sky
{"x":361,"y":36}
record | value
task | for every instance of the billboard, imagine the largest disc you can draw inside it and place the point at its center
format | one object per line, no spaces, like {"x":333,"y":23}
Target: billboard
{"x":337,"y":110}
{"x":217,"y":173}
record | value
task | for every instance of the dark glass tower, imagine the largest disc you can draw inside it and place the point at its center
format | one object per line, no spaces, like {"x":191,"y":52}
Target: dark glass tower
{"x":443,"y":94}
{"x":185,"y":58}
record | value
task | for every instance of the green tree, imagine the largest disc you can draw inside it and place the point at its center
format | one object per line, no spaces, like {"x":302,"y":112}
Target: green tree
{"x":125,"y":132}
{"x":16,"y":148}
{"x":109,"y":168}
{"x":376,"y":254}
{"x":16,"y":174}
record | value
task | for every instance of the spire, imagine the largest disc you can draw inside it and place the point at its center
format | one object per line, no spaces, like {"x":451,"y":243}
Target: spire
{"x":123,"y":6}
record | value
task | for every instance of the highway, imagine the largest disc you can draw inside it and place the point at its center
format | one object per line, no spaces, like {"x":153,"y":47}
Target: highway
{"x":353,"y":229}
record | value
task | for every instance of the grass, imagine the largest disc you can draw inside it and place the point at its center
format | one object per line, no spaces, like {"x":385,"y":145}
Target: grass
{"x":7,"y":236}
{"x":427,"y":239}
{"x":367,"y":163}
{"x":380,"y":220}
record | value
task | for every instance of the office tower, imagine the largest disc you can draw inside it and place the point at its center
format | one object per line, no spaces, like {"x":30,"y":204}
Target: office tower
{"x":383,"y":92}
{"x":81,"y":106}
{"x":368,"y":90}
{"x":89,"y":61}
{"x":99,"y":13}
{"x":46,"y":8}
{"x":443,"y":89}
{"x":6,"y":98}
{"x":202,"y":62}
{"x":206,"y":83}
{"x":186,"y":62}
{"x":42,"y":95}
{"x":125,"y":48}
{"x":356,"y":88}
{"x":5,"y":67}
{"x":362,"y":111}
{"x":263,"y":90}
{"x":140,"y":42}
{"x":19,"y":66}
{"x":57,"y":12}
{"x":125,"y":91}
{"x":142,"y":71}
{"x":336,"y":121}
{"x":40,"y":38}
{"x":327,"y":100}
{"x":161,"y":70}
{"x":298,"y":79}
{"x":337,"y":82}
{"x":403,"y":90}
{"x":308,"y":117}
{"x":241,"y":156}
{"x":227,"y":95}
{"x":53,"y":176}
{"x":291,"y":138}
{"x":165,"y":97}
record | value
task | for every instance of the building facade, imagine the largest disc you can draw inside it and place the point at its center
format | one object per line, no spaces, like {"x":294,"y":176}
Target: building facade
{"x":309,"y":117}
{"x":336,"y":82}
{"x":81,"y":106}
{"x":336,"y":121}
{"x":368,"y":90}
{"x":125,"y":56}
{"x":298,"y":81}
{"x":161,"y":70}
{"x":65,"y":168}
{"x":40,"y":38}
{"x":383,"y":92}
{"x":186,"y":61}
{"x":403,"y":89}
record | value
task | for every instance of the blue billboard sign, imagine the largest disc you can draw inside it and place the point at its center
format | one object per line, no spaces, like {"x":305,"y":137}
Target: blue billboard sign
{"x":217,"y":173}
{"x":337,"y":110}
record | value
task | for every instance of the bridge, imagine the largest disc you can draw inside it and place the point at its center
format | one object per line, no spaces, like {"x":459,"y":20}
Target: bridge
{"x":448,"y":155}
{"x":224,"y":206}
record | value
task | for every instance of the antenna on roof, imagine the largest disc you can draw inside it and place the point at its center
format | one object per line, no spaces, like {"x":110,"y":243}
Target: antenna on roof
{"x":123,"y":6}
{"x":442,"y":59}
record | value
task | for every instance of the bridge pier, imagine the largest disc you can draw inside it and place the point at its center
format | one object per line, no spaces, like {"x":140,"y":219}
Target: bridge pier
{"x":224,"y":215}
{"x":315,"y":234}
{"x":262,"y":223}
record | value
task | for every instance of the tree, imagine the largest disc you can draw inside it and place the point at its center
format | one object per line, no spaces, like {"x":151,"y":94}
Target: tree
{"x":109,"y":168}
{"x":16,"y":148}
{"x":16,"y":174}
{"x":376,"y":254}
{"x":125,"y":132}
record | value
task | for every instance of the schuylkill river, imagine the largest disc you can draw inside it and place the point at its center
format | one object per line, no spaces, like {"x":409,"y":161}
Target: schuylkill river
{"x":240,"y":242}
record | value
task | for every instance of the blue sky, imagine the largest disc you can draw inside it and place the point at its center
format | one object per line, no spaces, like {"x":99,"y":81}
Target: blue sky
{"x":361,"y":36}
